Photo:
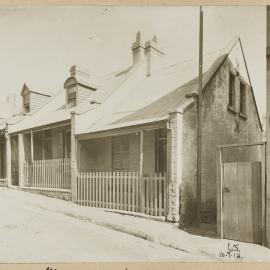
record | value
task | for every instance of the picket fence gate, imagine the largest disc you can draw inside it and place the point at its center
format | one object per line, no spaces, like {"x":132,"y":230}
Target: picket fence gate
{"x":126,"y":191}
{"x":48,"y":174}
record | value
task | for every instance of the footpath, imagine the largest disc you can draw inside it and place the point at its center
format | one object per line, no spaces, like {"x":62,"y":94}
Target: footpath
{"x":167,"y":234}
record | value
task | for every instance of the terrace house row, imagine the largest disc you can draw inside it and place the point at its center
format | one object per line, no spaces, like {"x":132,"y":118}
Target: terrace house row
{"x":127,"y":141}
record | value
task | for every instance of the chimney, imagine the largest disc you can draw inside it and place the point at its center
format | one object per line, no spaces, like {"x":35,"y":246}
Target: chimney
{"x":137,"y":49}
{"x":154,"y":56}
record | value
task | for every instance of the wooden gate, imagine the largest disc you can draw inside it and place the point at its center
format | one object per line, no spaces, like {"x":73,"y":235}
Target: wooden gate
{"x":242,"y":201}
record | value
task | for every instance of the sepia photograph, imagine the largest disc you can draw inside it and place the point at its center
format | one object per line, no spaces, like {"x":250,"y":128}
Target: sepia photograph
{"x":134,"y":134}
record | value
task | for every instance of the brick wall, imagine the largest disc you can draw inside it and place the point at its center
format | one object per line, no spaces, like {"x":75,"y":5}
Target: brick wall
{"x":174,"y":144}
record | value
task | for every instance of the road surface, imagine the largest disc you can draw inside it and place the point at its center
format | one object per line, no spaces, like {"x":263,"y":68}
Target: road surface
{"x":31,"y":234}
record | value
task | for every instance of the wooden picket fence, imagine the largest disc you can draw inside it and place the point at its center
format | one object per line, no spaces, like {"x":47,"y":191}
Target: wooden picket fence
{"x":123,"y":191}
{"x":48,"y":174}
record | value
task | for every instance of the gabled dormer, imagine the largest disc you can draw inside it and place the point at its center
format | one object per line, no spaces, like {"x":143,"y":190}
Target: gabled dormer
{"x":32,"y":100}
{"x":78,"y":87}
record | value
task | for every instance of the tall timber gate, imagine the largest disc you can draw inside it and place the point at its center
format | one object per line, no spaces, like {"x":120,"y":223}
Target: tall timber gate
{"x":241,"y":192}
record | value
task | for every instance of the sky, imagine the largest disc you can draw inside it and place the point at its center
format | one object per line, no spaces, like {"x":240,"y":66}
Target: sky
{"x":38,"y":45}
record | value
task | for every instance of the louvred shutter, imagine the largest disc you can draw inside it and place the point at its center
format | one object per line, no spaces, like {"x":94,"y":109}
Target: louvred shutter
{"x":120,"y":153}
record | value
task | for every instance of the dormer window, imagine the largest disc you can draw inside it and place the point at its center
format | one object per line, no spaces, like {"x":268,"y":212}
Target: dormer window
{"x":71,"y":96}
{"x":78,"y":88}
{"x":26,"y":103}
{"x":32,"y":100}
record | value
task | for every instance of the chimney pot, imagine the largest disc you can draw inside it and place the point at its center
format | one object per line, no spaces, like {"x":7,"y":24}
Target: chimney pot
{"x":154,"y":38}
{"x":138,"y":36}
{"x":137,"y":49}
{"x":76,"y":71}
{"x":154,"y":55}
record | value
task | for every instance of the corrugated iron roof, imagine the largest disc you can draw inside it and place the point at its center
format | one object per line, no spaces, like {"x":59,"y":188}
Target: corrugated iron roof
{"x":55,"y":109}
{"x":52,"y":112}
{"x":142,"y":97}
{"x":174,"y":99}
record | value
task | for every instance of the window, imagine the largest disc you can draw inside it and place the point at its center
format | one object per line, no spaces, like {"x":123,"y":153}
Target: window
{"x":232,"y":90}
{"x":120,"y":153}
{"x":161,"y":151}
{"x":71,"y":96}
{"x":242,"y":98}
{"x":47,"y":144}
{"x":26,"y":103}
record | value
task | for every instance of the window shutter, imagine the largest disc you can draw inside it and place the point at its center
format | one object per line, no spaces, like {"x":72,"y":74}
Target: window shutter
{"x":120,"y":153}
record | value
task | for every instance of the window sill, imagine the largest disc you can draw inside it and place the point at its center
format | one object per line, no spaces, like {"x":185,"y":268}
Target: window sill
{"x":242,"y":115}
{"x":232,"y":109}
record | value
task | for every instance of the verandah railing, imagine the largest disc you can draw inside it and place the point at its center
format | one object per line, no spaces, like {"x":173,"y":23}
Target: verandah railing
{"x":123,"y":191}
{"x":48,"y":174}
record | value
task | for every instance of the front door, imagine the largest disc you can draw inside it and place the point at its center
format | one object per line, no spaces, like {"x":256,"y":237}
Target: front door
{"x":241,"y":192}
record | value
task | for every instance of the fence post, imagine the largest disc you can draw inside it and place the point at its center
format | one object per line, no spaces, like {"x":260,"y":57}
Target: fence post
{"x":73,"y":166}
{"x":141,"y":174}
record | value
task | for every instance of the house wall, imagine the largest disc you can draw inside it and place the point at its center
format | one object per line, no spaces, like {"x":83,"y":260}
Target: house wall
{"x":95,"y":154}
{"x":149,"y":151}
{"x":219,"y":127}
{"x":37,"y":100}
{"x":57,"y":143}
{"x":188,"y":183}
{"x":134,"y":152}
{"x":83,"y":94}
{"x":27,"y":146}
{"x":38,"y":146}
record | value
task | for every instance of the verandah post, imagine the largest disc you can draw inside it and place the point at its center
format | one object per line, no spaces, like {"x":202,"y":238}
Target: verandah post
{"x":74,"y":169}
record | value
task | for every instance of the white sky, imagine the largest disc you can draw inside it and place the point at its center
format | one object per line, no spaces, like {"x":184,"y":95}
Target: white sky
{"x":38,"y":45}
